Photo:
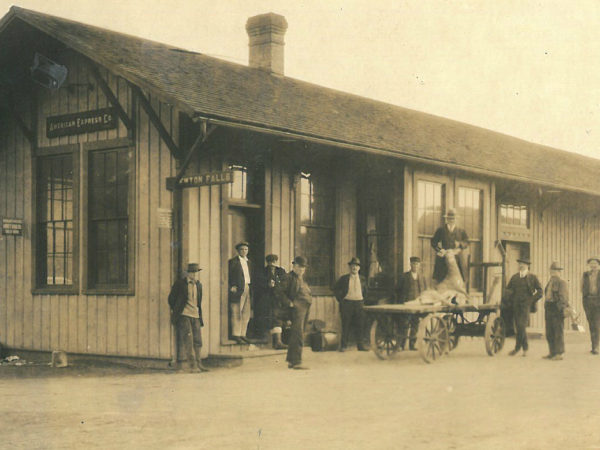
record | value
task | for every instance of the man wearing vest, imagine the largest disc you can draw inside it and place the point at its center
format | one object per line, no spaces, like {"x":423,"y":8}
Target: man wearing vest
{"x":556,"y":295}
{"x":350,"y":292}
{"x":277,"y":313}
{"x":590,"y":290}
{"x":240,"y":306}
{"x":410,"y":286}
{"x":521,"y":294}
{"x":185,"y":301}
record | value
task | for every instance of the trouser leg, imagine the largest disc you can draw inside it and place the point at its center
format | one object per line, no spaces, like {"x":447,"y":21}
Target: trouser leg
{"x":593,"y":317}
{"x":550,"y":332}
{"x":296,"y":339}
{"x":346,"y":314}
{"x":414,"y":327}
{"x":521,"y":317}
{"x":359,"y":318}
{"x":186,"y":340}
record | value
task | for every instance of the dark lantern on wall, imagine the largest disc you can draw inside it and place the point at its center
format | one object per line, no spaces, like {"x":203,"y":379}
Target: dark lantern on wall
{"x":48,"y":73}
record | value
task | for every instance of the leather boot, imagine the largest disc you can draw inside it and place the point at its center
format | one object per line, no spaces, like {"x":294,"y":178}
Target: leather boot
{"x":277,"y":344}
{"x":199,"y":366}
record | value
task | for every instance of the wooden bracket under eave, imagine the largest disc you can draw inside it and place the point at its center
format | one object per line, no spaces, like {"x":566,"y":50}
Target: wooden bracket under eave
{"x":111,"y":97}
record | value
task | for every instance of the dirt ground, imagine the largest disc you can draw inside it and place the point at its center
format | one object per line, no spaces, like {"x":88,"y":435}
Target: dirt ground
{"x":346,"y":401}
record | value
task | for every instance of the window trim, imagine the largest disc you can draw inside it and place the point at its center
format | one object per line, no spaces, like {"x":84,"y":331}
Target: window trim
{"x":42,"y":152}
{"x":88,"y":148}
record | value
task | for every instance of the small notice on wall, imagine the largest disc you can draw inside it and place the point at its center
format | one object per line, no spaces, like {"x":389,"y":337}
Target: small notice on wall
{"x":12,"y":227}
{"x":165,"y":218}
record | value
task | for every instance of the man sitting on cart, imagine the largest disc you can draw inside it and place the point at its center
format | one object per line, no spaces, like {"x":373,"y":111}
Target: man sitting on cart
{"x":448,"y":238}
{"x":410,"y":286}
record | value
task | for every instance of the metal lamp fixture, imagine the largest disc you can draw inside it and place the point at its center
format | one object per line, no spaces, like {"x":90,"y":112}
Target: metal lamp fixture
{"x":48,"y":73}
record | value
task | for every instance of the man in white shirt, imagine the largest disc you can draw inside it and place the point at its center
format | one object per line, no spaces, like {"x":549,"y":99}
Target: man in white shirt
{"x":351,"y":291}
{"x":240,"y":305}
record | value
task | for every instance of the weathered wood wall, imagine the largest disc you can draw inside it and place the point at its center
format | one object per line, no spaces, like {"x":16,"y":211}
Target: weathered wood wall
{"x":98,"y":324}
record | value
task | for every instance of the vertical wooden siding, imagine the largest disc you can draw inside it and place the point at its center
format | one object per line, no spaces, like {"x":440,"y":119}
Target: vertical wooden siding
{"x":569,"y":235}
{"x":99,"y":324}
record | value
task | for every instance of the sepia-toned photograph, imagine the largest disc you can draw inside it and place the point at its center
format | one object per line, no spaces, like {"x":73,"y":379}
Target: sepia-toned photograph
{"x":278,"y":224}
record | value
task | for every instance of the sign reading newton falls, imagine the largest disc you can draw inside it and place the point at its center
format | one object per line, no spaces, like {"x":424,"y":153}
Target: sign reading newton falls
{"x":81,"y":122}
{"x":203,"y":179}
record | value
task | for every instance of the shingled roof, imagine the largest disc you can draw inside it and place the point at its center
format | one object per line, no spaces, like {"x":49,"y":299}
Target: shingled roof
{"x":212,"y":88}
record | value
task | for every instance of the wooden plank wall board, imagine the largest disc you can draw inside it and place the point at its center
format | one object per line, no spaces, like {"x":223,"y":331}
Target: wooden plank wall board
{"x":276,"y":179}
{"x":214,"y":288}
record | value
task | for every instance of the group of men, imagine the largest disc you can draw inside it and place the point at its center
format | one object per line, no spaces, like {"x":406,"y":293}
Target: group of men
{"x":286,"y":300}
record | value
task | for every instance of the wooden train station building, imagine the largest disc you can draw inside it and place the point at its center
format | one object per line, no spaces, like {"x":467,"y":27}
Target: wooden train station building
{"x":122,"y":159}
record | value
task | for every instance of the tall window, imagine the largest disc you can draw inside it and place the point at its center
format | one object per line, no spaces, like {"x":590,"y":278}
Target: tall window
{"x":238,"y":190}
{"x":55,"y":221}
{"x":430,"y":207}
{"x":108,"y":217}
{"x":317,"y":224}
{"x":470,"y":211}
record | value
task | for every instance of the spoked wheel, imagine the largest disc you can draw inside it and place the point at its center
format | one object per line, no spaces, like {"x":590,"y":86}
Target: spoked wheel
{"x":385,"y":340}
{"x":432,"y":337}
{"x":453,"y":337}
{"x":494,"y":334}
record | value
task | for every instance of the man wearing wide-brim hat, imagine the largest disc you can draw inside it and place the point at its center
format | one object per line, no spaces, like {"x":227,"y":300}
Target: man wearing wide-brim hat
{"x":590,"y":290}
{"x":449,"y":238}
{"x":351,"y":291}
{"x":294,"y":292}
{"x":185,"y":301}
{"x":521,"y":294}
{"x":556,"y":295}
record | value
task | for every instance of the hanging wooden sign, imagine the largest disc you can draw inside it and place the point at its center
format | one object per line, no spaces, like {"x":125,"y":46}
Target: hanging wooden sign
{"x":204,"y":179}
{"x":81,"y":122}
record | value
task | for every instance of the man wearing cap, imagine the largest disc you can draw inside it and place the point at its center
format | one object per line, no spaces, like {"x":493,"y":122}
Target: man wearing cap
{"x":351,"y":291}
{"x":521,"y":294}
{"x":295,"y":293}
{"x":410,"y":286}
{"x":277,"y":313}
{"x":556,"y":295}
{"x":185,"y":301}
{"x":590,"y":290}
{"x":447,"y":238}
{"x":240,"y":306}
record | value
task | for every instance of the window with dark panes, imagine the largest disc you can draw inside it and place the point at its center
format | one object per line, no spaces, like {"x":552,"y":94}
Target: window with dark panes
{"x":55,"y":221}
{"x":470,"y":211}
{"x":430,"y":208}
{"x":108,"y":218}
{"x":238,"y":189}
{"x":317,"y":224}
{"x":514,"y":215}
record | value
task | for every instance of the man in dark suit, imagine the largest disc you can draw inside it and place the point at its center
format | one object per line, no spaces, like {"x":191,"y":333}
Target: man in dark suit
{"x":521,"y":294}
{"x":351,"y":291}
{"x":590,"y":290}
{"x":185,"y":301}
{"x":448,"y":238}
{"x":557,"y":300}
{"x":295,"y":293}
{"x":277,"y":313}
{"x":240,"y":300}
{"x":410,"y":286}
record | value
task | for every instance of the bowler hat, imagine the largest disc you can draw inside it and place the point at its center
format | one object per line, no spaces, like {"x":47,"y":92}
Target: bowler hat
{"x":451,"y":213}
{"x":300,"y":261}
{"x":594,"y":258}
{"x":271,"y":258}
{"x":240,"y":244}
{"x":354,"y":261}
{"x":415,"y":259}
{"x":193,"y":267}
{"x":555,"y":266}
{"x":524,"y":261}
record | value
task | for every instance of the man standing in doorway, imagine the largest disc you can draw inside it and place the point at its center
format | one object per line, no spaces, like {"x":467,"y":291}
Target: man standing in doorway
{"x":522,"y":291}
{"x":351,"y":292}
{"x":448,"y":238}
{"x":240,"y":301}
{"x":590,"y":289}
{"x":556,"y":295}
{"x":277,"y":313}
{"x":185,"y":301}
{"x":410,"y":286}
{"x":296,"y":294}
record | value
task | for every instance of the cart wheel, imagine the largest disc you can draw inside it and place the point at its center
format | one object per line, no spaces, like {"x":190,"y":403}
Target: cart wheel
{"x":453,"y":337}
{"x":432,"y":337}
{"x":385,"y":340}
{"x":494,"y":334}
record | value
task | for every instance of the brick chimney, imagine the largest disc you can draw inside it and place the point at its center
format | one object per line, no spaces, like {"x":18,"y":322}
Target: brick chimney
{"x":266,"y":44}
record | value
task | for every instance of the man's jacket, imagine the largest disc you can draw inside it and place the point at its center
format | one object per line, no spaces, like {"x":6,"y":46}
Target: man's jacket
{"x":585,"y":284}
{"x":288,"y":290}
{"x":402,"y":293}
{"x":342,"y":285}
{"x":236,"y":278}
{"x":534,"y":290}
{"x":178,"y":297}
